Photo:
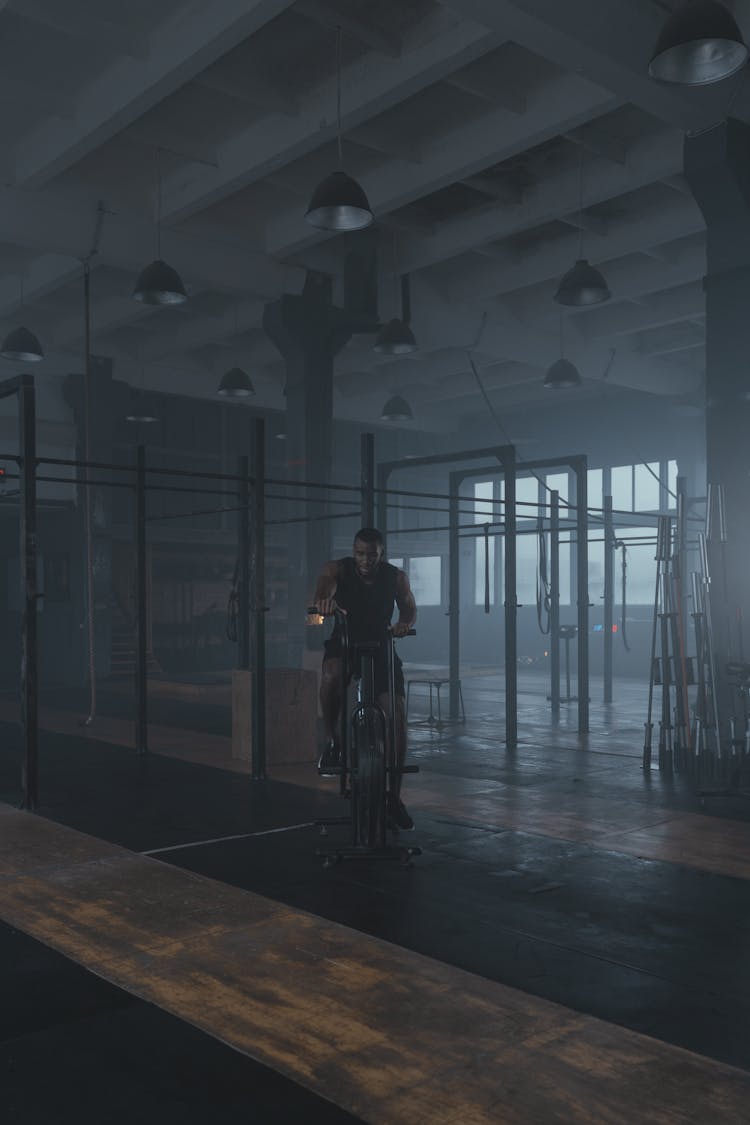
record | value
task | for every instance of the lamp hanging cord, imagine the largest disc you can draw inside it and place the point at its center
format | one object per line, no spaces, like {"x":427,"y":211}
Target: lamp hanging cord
{"x":542,"y":581}
{"x":338,"y":94}
{"x":87,"y":498}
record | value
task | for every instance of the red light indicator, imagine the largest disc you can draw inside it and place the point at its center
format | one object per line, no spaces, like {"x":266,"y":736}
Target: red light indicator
{"x":614,"y":628}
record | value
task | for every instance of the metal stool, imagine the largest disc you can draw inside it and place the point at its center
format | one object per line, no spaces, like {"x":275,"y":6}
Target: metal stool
{"x":437,"y":684}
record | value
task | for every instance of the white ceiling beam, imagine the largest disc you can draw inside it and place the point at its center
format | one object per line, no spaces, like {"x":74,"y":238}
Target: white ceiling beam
{"x":505,"y":191}
{"x":371,"y":86}
{"x":154,"y":135}
{"x":377,"y":138}
{"x":251,"y":88}
{"x":37,"y":96}
{"x":608,"y":44}
{"x":551,"y":261}
{"x":457,"y":154}
{"x":628,"y":278}
{"x":598,"y":143}
{"x":109,"y":313}
{"x":488,"y":89}
{"x":662,"y":309}
{"x":181,"y":47}
{"x":194,"y":334}
{"x":547,"y":200}
{"x":45,"y":274}
{"x":118,"y":36}
{"x":326,"y":15}
{"x":44,"y":222}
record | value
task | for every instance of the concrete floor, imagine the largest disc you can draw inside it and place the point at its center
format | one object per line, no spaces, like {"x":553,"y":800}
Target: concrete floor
{"x":560,"y":868}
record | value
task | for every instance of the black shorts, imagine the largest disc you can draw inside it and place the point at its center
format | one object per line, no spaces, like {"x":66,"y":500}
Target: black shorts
{"x":333,"y":649}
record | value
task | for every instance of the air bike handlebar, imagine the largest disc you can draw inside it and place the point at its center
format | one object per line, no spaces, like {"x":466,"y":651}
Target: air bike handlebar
{"x":314,"y":612}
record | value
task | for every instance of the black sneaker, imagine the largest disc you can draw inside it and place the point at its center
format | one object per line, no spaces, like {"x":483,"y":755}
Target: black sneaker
{"x":331,"y":760}
{"x":398,"y":817}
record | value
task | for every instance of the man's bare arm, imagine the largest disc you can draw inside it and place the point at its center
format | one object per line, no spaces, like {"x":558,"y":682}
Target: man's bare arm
{"x":324,"y":598}
{"x":407,"y":607}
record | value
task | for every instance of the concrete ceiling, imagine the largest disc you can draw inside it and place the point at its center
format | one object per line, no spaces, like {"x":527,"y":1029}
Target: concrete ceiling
{"x":475,"y":126}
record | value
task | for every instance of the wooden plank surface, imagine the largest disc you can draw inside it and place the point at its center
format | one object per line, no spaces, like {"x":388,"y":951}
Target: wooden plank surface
{"x":387,"y":1034}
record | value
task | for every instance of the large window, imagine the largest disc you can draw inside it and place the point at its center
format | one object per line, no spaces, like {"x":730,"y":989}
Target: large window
{"x":425,"y":577}
{"x":641,"y":564}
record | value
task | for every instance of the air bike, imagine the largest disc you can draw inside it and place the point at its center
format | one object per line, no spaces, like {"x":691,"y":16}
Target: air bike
{"x":367,"y":740}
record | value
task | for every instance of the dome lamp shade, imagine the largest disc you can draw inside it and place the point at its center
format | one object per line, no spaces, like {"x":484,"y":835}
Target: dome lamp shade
{"x":562,"y":374}
{"x":339,"y":203}
{"x":20,"y":344}
{"x":699,"y":43}
{"x":582,"y":285}
{"x":236,"y":383}
{"x":159,"y":284}
{"x":396,"y":409}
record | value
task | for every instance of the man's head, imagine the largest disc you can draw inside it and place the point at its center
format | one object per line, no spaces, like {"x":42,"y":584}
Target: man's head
{"x":368,"y":551}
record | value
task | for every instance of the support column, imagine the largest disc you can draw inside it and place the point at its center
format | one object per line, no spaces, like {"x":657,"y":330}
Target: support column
{"x":308,"y":331}
{"x":717,"y":167}
{"x":609,"y":595}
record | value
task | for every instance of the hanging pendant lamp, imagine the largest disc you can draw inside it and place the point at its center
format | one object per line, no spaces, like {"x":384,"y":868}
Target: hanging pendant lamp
{"x":339,"y":203}
{"x":562,"y":374}
{"x":700,"y":43}
{"x":396,"y":337}
{"x":396,"y":409}
{"x":236,"y":383}
{"x":158,"y":283}
{"x":582,"y":285}
{"x":20,"y":344}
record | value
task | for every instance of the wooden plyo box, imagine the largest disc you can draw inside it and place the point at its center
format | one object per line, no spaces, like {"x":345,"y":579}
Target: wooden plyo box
{"x":291,"y":715}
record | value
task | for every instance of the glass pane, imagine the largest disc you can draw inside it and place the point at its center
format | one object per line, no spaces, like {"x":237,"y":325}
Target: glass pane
{"x":672,"y":483}
{"x":527,"y":498}
{"x":641,"y":565}
{"x":397,"y":562}
{"x":483,"y":512}
{"x":647,"y":487}
{"x":424,"y":579}
{"x":564,"y":573}
{"x":559,"y":482}
{"x":594,"y":477}
{"x":622,"y":488}
{"x":479,"y":568}
{"x":526,"y":568}
{"x":596,"y":566}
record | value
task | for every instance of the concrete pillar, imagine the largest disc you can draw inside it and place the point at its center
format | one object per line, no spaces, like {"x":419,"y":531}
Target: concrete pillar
{"x":717,"y":167}
{"x":308,"y":330}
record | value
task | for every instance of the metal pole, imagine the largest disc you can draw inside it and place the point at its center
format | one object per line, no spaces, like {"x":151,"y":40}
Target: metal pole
{"x":28,"y":575}
{"x":609,"y":596}
{"x":454,"y":595}
{"x":141,"y":608}
{"x":258,"y":606}
{"x":243,"y":564}
{"x":554,"y":612}
{"x":367,"y":454}
{"x":582,"y":575}
{"x":383,"y":476}
{"x":511,"y":613}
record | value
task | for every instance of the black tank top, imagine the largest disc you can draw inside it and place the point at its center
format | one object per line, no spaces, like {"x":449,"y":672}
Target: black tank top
{"x":368,"y":604}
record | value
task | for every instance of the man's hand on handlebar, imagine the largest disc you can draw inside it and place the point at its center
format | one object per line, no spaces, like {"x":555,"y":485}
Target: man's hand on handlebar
{"x":401,"y":629}
{"x":326,"y":607}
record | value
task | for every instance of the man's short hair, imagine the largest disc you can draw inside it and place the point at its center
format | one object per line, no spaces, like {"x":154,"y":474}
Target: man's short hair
{"x":370,"y":535}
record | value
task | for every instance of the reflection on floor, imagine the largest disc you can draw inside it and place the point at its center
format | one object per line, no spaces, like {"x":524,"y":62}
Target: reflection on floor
{"x":559,"y":869}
